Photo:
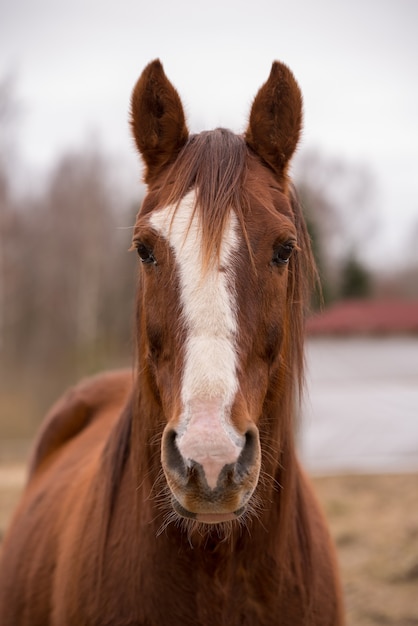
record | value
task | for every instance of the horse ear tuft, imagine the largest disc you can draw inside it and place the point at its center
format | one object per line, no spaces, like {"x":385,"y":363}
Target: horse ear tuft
{"x":157,"y":119}
{"x":276,"y":119}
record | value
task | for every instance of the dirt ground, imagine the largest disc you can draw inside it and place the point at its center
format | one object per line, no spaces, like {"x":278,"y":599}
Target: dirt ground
{"x":374,"y":522}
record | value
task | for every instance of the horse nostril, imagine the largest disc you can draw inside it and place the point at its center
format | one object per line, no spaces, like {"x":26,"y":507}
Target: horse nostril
{"x":172,"y":457}
{"x":249,"y":453}
{"x":193,"y":464}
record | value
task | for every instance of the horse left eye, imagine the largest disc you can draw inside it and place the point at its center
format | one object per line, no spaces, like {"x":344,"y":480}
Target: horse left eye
{"x":282,"y":253}
{"x":145,"y":253}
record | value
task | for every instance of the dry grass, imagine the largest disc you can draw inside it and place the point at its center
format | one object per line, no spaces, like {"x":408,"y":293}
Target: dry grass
{"x":374,"y":522}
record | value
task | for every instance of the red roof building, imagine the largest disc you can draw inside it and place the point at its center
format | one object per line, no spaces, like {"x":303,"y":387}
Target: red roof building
{"x":366,"y":317}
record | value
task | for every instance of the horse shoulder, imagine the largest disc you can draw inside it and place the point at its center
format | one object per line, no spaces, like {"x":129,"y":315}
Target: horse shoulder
{"x":78,"y":408}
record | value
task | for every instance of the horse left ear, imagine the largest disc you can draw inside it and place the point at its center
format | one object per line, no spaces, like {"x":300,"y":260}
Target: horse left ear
{"x":158,"y":121}
{"x":276,"y":119}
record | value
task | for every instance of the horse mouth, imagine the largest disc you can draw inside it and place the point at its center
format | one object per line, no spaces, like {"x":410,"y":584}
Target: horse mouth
{"x":207,"y":518}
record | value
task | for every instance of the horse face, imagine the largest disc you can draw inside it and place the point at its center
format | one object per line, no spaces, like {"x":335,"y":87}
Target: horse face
{"x":213,"y":336}
{"x":211,"y":323}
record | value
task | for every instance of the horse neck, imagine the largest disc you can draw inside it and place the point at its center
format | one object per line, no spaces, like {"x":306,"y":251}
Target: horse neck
{"x":147,"y":427}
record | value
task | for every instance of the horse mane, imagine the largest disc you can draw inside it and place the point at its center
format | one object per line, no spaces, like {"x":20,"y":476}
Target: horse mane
{"x":295,"y":540}
{"x":116,"y":454}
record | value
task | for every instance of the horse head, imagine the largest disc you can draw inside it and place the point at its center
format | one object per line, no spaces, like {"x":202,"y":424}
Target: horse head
{"x":220,"y":244}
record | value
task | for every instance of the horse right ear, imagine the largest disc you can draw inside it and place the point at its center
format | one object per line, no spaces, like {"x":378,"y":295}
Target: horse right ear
{"x":276,"y":119}
{"x":158,"y":121}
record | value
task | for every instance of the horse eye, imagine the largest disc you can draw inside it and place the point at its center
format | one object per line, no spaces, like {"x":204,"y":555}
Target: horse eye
{"x":145,"y":253}
{"x":282,"y":253}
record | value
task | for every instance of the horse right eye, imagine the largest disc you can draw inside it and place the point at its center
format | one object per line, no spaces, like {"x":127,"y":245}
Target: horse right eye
{"x":282,"y":253}
{"x":145,"y":254}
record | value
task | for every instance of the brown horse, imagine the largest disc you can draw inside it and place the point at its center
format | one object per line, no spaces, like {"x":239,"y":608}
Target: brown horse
{"x":173,"y":496}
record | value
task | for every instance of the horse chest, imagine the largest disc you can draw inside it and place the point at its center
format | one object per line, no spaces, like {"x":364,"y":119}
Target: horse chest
{"x":205,"y":590}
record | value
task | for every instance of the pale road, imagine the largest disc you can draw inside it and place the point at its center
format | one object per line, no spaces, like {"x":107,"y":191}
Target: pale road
{"x":360,"y":412}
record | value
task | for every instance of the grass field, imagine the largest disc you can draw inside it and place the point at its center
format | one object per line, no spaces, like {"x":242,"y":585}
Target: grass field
{"x":374,"y":522}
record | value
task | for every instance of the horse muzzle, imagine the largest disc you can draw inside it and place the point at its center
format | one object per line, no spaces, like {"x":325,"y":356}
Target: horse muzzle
{"x":211,"y":471}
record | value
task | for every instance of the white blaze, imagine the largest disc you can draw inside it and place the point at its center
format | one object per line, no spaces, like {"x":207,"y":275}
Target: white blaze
{"x":209,"y":309}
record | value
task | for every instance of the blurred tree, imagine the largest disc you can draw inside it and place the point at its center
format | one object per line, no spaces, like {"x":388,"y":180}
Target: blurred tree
{"x":8,"y":117}
{"x":355,"y":279}
{"x":81,"y":264}
{"x":337,"y":199}
{"x":403,"y":281}
{"x":67,"y":283}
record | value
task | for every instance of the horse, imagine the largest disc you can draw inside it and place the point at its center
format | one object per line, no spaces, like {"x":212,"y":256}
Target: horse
{"x":172,"y":493}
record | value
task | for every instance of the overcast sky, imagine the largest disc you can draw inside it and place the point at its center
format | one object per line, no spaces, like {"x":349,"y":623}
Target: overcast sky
{"x":75,"y":63}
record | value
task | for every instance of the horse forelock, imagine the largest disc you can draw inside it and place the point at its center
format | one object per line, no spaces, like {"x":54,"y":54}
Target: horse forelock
{"x":213,"y":164}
